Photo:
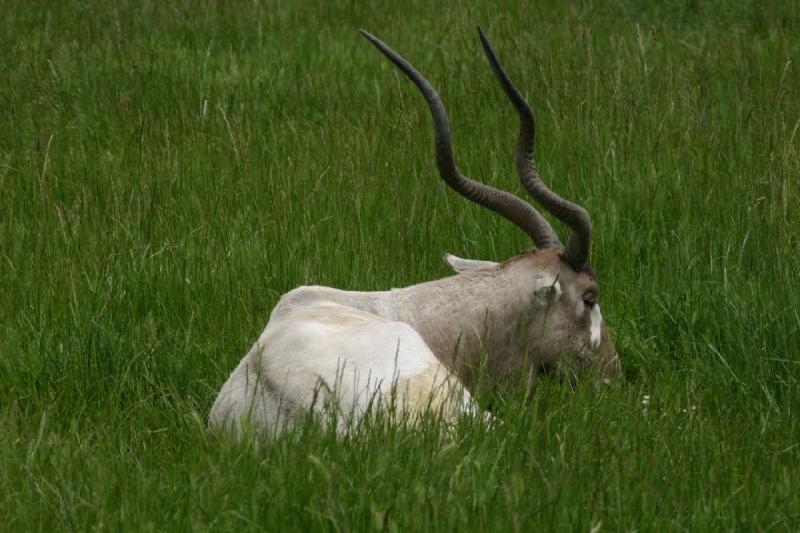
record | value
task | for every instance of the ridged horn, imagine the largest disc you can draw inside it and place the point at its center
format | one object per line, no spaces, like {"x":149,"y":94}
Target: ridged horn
{"x":503,"y":203}
{"x":573,"y":215}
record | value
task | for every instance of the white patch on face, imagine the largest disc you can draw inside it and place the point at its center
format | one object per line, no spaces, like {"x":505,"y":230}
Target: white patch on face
{"x":596,"y":327}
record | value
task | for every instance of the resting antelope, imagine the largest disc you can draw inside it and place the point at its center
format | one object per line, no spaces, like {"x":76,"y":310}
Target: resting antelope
{"x":423,"y":345}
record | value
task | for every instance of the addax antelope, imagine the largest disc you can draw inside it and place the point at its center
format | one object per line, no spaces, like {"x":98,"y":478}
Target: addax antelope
{"x":422,"y":345}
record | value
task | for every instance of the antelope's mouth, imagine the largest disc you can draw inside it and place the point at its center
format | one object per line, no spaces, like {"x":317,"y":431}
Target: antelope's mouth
{"x":546,"y":370}
{"x":570,"y":371}
{"x":556,"y":372}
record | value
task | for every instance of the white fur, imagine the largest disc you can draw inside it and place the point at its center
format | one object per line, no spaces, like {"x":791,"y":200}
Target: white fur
{"x":596,"y":328}
{"x":595,"y":324}
{"x":327,"y":355}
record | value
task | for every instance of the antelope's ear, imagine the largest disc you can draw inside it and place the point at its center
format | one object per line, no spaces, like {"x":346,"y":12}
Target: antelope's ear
{"x":549,"y":293}
{"x":467,"y":265}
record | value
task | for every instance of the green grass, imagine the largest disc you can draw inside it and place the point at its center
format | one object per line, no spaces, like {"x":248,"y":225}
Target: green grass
{"x":169,"y":169}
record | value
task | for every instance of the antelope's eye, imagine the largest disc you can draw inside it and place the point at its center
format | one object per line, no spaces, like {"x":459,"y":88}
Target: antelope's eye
{"x":590,"y":299}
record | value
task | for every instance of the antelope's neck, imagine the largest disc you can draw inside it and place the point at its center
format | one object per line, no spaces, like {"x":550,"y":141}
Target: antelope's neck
{"x":468,"y":316}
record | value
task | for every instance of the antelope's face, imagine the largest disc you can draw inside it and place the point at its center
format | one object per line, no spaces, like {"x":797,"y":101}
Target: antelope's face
{"x":566,"y":333}
{"x":560,"y":327}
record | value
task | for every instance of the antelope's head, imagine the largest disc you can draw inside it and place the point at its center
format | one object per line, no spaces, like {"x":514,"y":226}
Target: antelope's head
{"x":565,"y":330}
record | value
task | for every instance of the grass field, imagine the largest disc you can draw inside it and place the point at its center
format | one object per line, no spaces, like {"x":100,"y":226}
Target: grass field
{"x":169,"y":169}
